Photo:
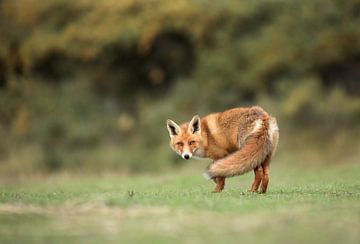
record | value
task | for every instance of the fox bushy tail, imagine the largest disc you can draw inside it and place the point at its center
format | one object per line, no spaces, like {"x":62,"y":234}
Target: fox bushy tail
{"x":252,"y":153}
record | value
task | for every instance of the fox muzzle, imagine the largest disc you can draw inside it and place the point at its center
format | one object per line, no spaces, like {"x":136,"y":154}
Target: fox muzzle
{"x":186,"y":155}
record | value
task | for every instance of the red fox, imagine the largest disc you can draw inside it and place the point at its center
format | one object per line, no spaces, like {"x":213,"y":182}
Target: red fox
{"x":238,"y":140}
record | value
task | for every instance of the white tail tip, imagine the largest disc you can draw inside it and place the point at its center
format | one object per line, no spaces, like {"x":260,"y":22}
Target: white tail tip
{"x":207,"y":176}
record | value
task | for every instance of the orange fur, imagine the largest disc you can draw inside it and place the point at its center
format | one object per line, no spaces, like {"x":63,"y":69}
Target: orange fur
{"x":238,"y":140}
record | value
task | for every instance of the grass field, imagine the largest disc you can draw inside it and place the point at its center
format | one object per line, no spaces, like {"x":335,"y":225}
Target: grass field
{"x":319,"y":205}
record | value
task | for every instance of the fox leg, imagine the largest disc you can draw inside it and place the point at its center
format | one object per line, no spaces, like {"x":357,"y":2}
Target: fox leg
{"x":258,"y":177}
{"x":220,"y":184}
{"x":266,"y":171}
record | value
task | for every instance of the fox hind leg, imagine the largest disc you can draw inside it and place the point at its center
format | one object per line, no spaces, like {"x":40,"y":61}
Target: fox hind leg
{"x":220,"y":184}
{"x":266,"y":170}
{"x":258,"y":171}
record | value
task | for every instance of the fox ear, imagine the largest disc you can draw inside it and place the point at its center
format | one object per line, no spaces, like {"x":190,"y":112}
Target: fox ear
{"x":195,"y":125}
{"x":173,"y":128}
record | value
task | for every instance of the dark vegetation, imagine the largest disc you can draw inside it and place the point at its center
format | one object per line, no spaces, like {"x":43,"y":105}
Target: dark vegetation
{"x":87,"y":85}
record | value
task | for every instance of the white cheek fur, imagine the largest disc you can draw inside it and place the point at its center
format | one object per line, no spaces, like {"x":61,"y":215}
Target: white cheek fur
{"x":198,"y":152}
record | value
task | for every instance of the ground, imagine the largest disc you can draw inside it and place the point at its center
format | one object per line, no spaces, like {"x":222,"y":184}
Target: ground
{"x":302,"y":205}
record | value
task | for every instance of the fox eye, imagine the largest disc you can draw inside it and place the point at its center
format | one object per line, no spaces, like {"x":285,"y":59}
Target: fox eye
{"x":180,"y":144}
{"x":191,"y":143}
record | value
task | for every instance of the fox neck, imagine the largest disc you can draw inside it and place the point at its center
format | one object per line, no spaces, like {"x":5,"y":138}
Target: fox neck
{"x":201,"y":152}
{"x":210,"y":147}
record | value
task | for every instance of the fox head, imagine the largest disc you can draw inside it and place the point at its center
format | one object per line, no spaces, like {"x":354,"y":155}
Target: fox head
{"x":186,"y":139}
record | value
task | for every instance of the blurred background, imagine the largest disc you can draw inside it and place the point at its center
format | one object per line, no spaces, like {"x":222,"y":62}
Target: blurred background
{"x":87,"y":86}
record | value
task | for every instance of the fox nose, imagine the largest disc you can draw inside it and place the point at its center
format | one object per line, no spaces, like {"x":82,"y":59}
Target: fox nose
{"x":186,"y":155}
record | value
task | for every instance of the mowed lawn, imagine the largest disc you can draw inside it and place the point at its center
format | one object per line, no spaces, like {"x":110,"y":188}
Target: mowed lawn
{"x":303,"y":205}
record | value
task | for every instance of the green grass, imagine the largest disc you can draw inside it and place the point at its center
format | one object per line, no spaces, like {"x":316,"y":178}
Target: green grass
{"x":319,"y":205}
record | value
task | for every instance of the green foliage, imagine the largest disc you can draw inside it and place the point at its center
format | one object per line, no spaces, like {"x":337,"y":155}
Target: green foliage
{"x":89,"y":84}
